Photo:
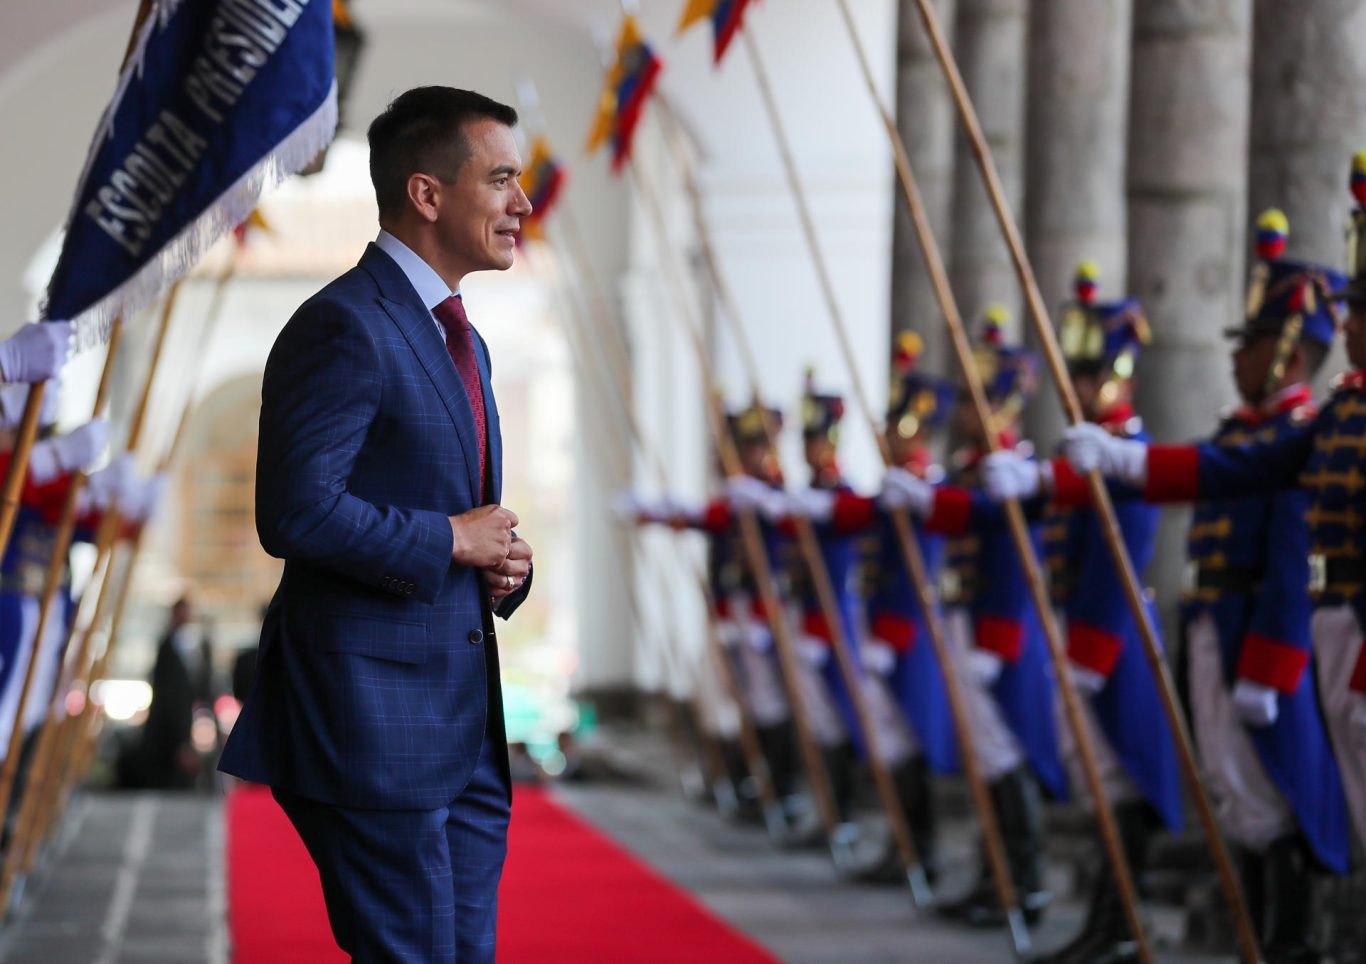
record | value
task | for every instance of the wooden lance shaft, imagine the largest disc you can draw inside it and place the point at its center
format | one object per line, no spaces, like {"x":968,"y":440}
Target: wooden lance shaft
{"x":1024,"y":546}
{"x":750,"y":749}
{"x":17,"y":470}
{"x":1104,"y":507}
{"x":73,"y":752}
{"x":611,"y":334}
{"x":757,"y":556}
{"x":661,"y":586}
{"x":39,"y":813}
{"x":809,"y":544}
{"x":52,"y":582}
{"x":906,"y":539}
{"x":60,"y":735}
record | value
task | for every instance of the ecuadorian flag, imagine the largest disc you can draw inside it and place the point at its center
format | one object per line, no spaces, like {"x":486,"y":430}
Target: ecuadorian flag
{"x":725,"y":17}
{"x":542,"y":181}
{"x":630,"y":81}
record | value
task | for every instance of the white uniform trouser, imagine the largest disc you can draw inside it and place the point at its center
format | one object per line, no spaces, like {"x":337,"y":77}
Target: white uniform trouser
{"x":9,"y":700}
{"x":824,"y":716}
{"x":998,"y":751}
{"x":1114,"y":781}
{"x":1337,"y":641}
{"x":895,"y":742}
{"x":1251,"y":810}
{"x":720,"y":717}
{"x":759,"y":680}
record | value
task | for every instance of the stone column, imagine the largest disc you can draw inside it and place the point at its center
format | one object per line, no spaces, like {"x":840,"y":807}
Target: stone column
{"x":1076,"y":120}
{"x":926,"y":120}
{"x":1188,"y":130}
{"x":990,"y":40}
{"x":1308,"y":118}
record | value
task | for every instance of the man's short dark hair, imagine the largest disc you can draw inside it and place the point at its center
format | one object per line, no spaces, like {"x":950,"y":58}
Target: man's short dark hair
{"x":421,"y":131}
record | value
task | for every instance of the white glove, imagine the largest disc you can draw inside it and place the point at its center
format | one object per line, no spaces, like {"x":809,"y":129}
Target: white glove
{"x":878,"y":656}
{"x":746,"y":492}
{"x":1255,"y":703}
{"x":1358,"y":717}
{"x":985,"y":666}
{"x":76,"y":450}
{"x":902,"y":490}
{"x":818,"y":505}
{"x":628,"y":505}
{"x":36,"y":352}
{"x":142,"y":506}
{"x":110,"y":484}
{"x":1087,"y":681}
{"x":813,"y":650}
{"x":1008,"y":475}
{"x":757,"y":636}
{"x":1089,"y":446}
{"x":13,"y":399}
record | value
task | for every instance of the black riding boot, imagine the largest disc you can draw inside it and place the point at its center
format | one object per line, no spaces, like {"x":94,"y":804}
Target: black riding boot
{"x":1290,"y":893}
{"x":1019,"y":811}
{"x":915,"y":791}
{"x":1105,"y":937}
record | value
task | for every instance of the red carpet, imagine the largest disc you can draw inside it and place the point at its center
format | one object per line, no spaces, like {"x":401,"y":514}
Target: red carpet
{"x":569,"y":894}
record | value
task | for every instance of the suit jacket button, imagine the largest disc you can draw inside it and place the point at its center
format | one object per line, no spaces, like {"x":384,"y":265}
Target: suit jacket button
{"x":476,"y":636}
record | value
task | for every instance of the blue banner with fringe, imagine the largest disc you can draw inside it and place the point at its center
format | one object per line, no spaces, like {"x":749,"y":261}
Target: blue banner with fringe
{"x":217,"y":101}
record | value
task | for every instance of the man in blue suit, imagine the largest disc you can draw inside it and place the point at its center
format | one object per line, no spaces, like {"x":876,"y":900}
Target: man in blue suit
{"x":376,"y":716}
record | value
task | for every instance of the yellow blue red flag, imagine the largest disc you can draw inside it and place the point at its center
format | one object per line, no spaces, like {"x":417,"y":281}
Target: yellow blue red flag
{"x":725,"y":17}
{"x":630,"y":81}
{"x":542,"y":181}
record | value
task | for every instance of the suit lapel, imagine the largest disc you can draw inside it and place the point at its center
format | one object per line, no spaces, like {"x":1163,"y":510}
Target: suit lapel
{"x":405,"y":309}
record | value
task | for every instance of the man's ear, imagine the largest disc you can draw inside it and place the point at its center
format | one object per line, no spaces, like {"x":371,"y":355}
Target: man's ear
{"x":424,"y":194}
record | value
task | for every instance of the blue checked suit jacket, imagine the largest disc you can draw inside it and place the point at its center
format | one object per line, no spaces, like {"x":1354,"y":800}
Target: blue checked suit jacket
{"x":377,"y":677}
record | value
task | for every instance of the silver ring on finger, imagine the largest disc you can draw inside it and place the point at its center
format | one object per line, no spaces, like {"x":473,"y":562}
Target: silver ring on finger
{"x":510,"y":582}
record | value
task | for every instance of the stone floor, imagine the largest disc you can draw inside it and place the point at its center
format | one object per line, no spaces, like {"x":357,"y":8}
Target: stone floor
{"x":132,"y":879}
{"x":139,"y":878}
{"x":793,"y":902}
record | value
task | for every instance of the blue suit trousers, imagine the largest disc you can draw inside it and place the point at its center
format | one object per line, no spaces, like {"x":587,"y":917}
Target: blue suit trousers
{"x":412,"y":886}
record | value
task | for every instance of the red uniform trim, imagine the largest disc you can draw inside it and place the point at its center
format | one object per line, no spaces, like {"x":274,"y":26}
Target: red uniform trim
{"x":1004,"y":637}
{"x":1069,"y":489}
{"x":952,"y":511}
{"x":723,"y":609}
{"x":815,"y":624}
{"x":1272,"y":663}
{"x":1093,"y":648}
{"x":1358,"y":681}
{"x":757,"y":609}
{"x":896,"y":630}
{"x":1173,"y":473}
{"x":717,"y":516}
{"x":853,"y":512}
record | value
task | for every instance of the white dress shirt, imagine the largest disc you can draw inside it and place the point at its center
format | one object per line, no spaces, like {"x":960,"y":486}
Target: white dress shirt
{"x":422,"y":276}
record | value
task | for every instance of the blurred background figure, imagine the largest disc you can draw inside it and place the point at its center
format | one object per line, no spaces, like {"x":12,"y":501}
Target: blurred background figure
{"x":161,"y":754}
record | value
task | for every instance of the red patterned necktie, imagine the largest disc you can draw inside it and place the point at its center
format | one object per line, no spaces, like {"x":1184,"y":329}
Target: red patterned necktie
{"x":460,"y":343}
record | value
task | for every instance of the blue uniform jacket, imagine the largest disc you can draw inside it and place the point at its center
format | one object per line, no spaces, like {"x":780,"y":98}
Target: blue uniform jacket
{"x":1005,"y":622}
{"x":894,"y":614}
{"x":1103,"y":637}
{"x":1264,"y":630}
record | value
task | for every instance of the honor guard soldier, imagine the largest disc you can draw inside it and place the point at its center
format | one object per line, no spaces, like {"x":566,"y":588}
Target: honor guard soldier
{"x":903,"y":679}
{"x":1122,"y":710}
{"x":1324,"y":456}
{"x":1265,"y":752}
{"x":748,"y":639}
{"x":995,"y":631}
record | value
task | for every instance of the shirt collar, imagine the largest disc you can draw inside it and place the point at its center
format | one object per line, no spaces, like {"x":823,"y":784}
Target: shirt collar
{"x":422,"y":276}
